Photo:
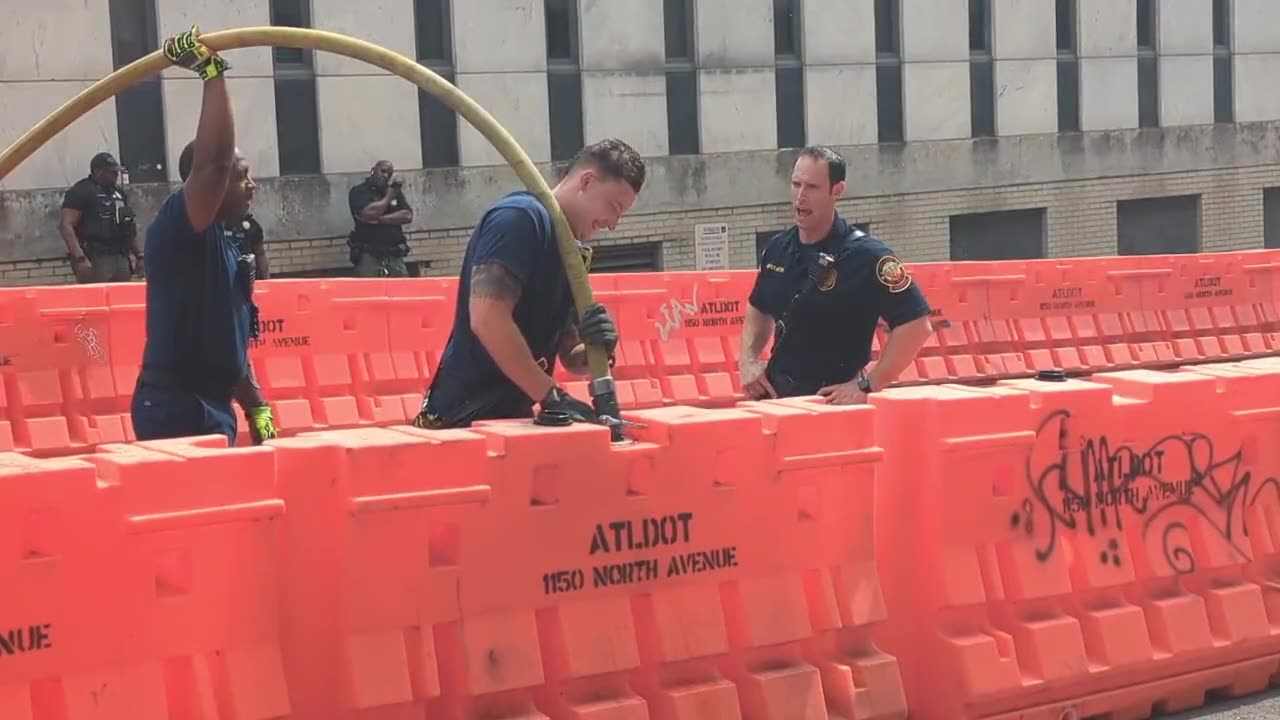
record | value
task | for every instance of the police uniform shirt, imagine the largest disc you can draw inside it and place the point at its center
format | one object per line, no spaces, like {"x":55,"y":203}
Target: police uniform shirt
{"x":376,"y":235}
{"x":829,"y":334}
{"x":198,"y":300}
{"x":247,"y":235}
{"x":99,"y":209}
{"x":516,"y":233}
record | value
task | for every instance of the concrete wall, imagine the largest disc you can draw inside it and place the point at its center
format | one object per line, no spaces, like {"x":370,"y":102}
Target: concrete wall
{"x":1025,"y":55}
{"x":906,"y":190}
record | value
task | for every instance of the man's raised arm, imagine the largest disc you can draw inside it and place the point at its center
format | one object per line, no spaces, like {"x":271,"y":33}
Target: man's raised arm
{"x":215,"y":143}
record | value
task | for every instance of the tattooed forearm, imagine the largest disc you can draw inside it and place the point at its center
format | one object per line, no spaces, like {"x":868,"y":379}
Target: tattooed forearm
{"x":494,"y":282}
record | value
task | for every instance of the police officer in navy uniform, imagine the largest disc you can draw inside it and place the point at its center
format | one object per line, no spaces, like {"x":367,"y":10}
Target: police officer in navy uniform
{"x":822,"y":287}
{"x":249,"y":238}
{"x":200,"y":310}
{"x":99,"y":227}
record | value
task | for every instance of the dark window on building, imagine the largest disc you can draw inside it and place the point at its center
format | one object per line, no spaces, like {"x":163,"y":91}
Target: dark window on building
{"x":1002,"y":235}
{"x":786,"y":28}
{"x":637,"y":257}
{"x":982,"y":85}
{"x":297,"y":132}
{"x":1148,"y":71}
{"x":297,"y":124}
{"x":789,"y":91}
{"x":886,"y":18}
{"x":433,"y":32}
{"x":1271,"y":218}
{"x":1066,"y":25}
{"x":564,"y":79}
{"x":980,"y":26}
{"x":562,"y":31}
{"x":1159,"y":226}
{"x":437,"y":123}
{"x":762,"y":242}
{"x":682,"y":78}
{"x":1068,"y":68}
{"x":564,"y":97}
{"x":888,"y":73}
{"x":788,"y":74}
{"x":1147,"y":24}
{"x":677,"y":26}
{"x":1223,"y":94}
{"x":140,"y":108}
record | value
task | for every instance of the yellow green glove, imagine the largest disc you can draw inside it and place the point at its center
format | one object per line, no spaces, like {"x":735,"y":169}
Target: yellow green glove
{"x":261,"y":426}
{"x":185,"y":49}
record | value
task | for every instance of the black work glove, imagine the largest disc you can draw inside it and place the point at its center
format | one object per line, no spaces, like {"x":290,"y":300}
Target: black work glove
{"x":186,"y":50}
{"x":597,"y":329}
{"x":557,"y":400}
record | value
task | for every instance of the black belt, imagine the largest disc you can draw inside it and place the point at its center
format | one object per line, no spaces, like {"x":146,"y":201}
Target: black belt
{"x":787,"y":386}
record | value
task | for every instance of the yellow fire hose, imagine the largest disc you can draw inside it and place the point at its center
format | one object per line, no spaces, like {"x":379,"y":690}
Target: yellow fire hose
{"x":602,"y":386}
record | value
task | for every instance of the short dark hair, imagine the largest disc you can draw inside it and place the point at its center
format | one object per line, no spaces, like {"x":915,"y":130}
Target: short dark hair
{"x":615,"y":159}
{"x":186,"y":159}
{"x":836,"y":167}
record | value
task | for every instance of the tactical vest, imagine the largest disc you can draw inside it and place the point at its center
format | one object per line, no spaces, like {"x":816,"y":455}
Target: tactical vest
{"x":111,"y":224}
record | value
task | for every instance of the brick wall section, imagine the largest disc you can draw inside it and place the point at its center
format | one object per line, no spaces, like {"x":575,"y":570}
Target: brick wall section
{"x":1081,"y":221}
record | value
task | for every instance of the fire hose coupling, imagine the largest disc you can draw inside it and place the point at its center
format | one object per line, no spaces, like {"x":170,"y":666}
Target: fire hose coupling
{"x":603,"y":386}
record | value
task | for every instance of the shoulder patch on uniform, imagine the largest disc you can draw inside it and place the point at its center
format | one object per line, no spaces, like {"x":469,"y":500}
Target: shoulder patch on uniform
{"x":891,"y":273}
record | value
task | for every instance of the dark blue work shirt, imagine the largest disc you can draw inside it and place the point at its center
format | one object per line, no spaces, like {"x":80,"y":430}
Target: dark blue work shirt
{"x":197,"y":303}
{"x":515,"y":232}
{"x":829,"y":334}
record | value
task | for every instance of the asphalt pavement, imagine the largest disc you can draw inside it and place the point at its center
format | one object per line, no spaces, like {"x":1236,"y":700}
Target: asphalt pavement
{"x":1263,"y":706}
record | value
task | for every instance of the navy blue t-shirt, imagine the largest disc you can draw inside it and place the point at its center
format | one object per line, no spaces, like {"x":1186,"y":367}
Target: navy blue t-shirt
{"x":515,"y":232}
{"x":197,"y":303}
{"x":828,"y":336}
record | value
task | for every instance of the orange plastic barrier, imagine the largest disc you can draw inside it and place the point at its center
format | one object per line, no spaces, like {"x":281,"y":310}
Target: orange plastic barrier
{"x":348,"y":353}
{"x":140,"y":582}
{"x":710,"y":569}
{"x":56,"y":383}
{"x":1081,"y":549}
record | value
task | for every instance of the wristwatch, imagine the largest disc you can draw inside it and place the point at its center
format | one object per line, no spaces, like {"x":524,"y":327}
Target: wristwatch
{"x":864,"y":384}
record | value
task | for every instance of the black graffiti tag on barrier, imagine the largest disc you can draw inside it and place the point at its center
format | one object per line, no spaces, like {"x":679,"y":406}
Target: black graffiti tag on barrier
{"x":1091,"y":487}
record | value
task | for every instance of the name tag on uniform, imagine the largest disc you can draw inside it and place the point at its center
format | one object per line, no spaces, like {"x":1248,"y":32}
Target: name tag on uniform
{"x":774,"y":268}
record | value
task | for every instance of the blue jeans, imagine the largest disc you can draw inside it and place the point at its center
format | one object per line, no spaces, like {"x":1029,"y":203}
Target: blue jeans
{"x":160,"y":413}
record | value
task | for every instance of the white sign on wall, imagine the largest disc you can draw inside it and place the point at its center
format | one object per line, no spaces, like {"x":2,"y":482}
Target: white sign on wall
{"x":711,"y":246}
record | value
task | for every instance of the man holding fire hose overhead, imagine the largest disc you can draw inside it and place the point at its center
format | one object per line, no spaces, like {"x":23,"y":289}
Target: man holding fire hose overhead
{"x":200,"y":311}
{"x":515,"y":314}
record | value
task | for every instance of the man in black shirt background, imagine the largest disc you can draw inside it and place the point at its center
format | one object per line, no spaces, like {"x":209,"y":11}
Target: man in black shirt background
{"x":98,"y":226}
{"x":380,"y":211}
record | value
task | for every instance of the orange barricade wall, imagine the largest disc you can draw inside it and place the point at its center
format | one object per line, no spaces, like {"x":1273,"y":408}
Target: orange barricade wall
{"x":140,"y":582}
{"x":57,"y":389}
{"x":1081,"y":547}
{"x":349,"y":353}
{"x":713,"y":568}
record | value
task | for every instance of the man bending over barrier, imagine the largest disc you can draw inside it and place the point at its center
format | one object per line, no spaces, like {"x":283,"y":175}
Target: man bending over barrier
{"x":515,"y":312}
{"x":200,"y":312}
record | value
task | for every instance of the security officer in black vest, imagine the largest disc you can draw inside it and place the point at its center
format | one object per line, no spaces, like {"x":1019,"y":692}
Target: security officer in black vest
{"x":99,"y":227}
{"x":822,"y":287}
{"x":380,"y":211}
